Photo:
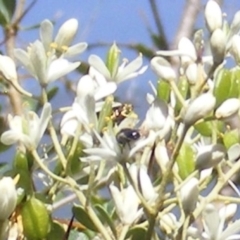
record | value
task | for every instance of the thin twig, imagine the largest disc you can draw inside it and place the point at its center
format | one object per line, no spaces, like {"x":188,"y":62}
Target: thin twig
{"x":158,"y":22}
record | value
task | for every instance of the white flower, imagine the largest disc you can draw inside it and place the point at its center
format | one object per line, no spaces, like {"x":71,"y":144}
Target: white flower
{"x":199,"y":108}
{"x":126,"y":202}
{"x":209,"y":156}
{"x":192,"y":73}
{"x":45,"y":69}
{"x":28,"y":128}
{"x":156,"y":115}
{"x":235,"y":48}
{"x":163,"y":68}
{"x":82,"y":116}
{"x":228,"y":108}
{"x":234,"y":29}
{"x":69,"y":124}
{"x":161,"y":155}
{"x":169,"y":224}
{"x":213,"y":15}
{"x":124,"y":72}
{"x":186,"y":51}
{"x":67,"y":32}
{"x":228,"y":112}
{"x":63,"y":39}
{"x":8,"y":68}
{"x":97,"y":84}
{"x":214,"y":225}
{"x":218,"y":45}
{"x":142,"y":180}
{"x":189,"y":195}
{"x":186,"y":46}
{"x":110,"y":149}
{"x":8,"y":197}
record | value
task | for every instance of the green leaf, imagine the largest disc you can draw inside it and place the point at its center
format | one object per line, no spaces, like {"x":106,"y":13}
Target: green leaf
{"x":52,"y":93}
{"x":57,"y":231}
{"x":136,"y":233}
{"x":230,"y":138}
{"x":185,"y":161}
{"x":73,"y":164}
{"x":81,"y":215}
{"x":75,"y":235}
{"x":7,"y":8}
{"x":163,"y":90}
{"x":222,"y":86}
{"x":35,"y":219}
{"x":206,"y":128}
{"x":106,"y":217}
{"x":146,"y":51}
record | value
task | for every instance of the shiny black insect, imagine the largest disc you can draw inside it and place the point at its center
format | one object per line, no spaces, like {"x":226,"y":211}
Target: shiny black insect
{"x":126,"y":135}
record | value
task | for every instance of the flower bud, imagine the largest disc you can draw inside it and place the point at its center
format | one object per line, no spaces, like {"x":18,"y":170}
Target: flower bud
{"x":192,"y":73}
{"x":8,"y":197}
{"x":187,"y":47}
{"x":213,"y":16}
{"x":141,"y":179}
{"x":8,"y":68}
{"x":189,"y":195}
{"x":199,"y":108}
{"x":209,"y":156}
{"x":234,"y":152}
{"x":228,"y":108}
{"x":235,"y":48}
{"x":218,"y":45}
{"x":67,"y":32}
{"x":163,"y":68}
{"x":113,"y":59}
{"x":235,"y":25}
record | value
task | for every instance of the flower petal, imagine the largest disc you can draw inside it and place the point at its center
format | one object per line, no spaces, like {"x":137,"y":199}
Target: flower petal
{"x":67,"y":32}
{"x":76,"y":49}
{"x":46,"y":33}
{"x":99,"y":65}
{"x":59,"y":68}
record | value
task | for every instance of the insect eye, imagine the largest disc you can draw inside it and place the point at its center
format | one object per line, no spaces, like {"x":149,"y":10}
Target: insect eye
{"x":126,"y":135}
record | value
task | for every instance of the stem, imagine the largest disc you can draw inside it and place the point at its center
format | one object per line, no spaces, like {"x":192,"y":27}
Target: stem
{"x":185,"y":227}
{"x":177,"y":93}
{"x":220,"y":184}
{"x":123,"y":232}
{"x":89,"y":210}
{"x":164,"y":183}
{"x":54,"y":137}
{"x":143,"y":201}
{"x":45,"y":169}
{"x":64,"y":201}
{"x":158,"y":22}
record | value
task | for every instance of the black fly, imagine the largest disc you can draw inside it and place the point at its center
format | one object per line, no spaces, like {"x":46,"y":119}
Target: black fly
{"x":127,"y":135}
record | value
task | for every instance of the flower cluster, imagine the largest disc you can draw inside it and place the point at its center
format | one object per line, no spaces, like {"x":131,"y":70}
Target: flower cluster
{"x":160,"y":177}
